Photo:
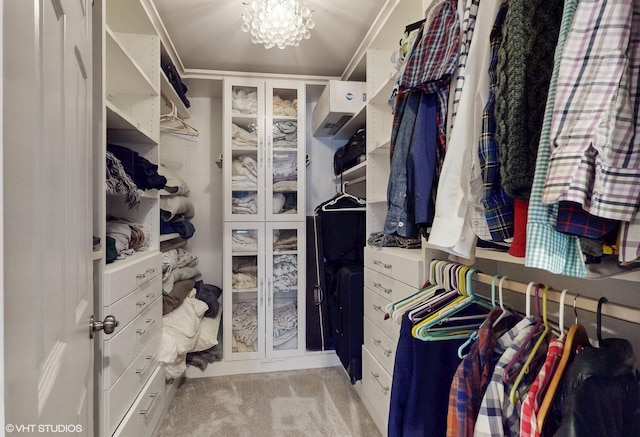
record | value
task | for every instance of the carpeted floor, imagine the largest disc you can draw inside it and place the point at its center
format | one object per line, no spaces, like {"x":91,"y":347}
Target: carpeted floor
{"x":313,"y":402}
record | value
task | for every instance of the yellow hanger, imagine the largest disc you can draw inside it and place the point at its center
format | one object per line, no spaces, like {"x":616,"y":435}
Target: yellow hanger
{"x":525,"y":368}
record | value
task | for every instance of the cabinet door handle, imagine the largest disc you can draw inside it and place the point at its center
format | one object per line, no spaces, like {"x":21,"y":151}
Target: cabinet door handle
{"x":269,"y":292}
{"x":379,"y":286}
{"x":143,"y":371}
{"x":384,"y":389}
{"x":378,"y":343}
{"x":378,"y":308}
{"x":144,"y":413}
{"x":269,"y":150}
{"x":261,"y":291}
{"x":261,"y":150}
{"x":380,"y":263}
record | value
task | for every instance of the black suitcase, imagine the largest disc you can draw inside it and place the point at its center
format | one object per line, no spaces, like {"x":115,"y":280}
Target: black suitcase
{"x":347,"y":319}
{"x":318,"y":332}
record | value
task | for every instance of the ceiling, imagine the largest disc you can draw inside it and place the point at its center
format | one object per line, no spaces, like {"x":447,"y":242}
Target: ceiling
{"x":207,"y":36}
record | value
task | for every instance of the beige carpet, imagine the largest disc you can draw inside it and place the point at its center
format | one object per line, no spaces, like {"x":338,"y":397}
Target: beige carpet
{"x":314,"y":402}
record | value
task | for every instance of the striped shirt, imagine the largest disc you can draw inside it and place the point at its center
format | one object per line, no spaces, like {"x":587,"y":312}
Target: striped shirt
{"x":546,"y":247}
{"x":595,"y":157}
{"x":498,"y":416}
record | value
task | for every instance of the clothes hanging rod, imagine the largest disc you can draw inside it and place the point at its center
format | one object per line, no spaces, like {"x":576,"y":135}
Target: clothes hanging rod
{"x":617,"y":311}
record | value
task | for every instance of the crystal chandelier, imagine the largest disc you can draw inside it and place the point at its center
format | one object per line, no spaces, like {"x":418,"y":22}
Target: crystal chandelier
{"x":277,"y":22}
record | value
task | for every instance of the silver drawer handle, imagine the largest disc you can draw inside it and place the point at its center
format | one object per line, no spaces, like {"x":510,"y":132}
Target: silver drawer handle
{"x":141,"y":331}
{"x":151,"y":296}
{"x":384,"y":389}
{"x":141,"y":303}
{"x":380,"y":263}
{"x":378,"y":308}
{"x":378,"y":343}
{"x":151,"y":359}
{"x":379,"y":286}
{"x":154,"y":397}
{"x":145,"y":274}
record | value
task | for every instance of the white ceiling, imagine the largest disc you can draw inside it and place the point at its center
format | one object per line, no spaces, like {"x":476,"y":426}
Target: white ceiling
{"x":206,"y":35}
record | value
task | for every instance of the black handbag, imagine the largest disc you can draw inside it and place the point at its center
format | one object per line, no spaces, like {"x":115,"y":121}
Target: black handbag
{"x":351,"y":154}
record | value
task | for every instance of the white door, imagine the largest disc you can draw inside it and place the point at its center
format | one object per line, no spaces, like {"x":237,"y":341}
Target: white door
{"x":47,"y":216}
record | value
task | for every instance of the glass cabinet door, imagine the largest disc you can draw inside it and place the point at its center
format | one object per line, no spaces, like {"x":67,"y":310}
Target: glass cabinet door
{"x":285,"y":151}
{"x":245,"y":302}
{"x":285,"y":293}
{"x":244,"y":140}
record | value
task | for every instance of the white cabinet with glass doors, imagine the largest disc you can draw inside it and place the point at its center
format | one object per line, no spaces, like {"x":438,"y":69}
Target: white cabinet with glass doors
{"x":264,"y":299}
{"x":264,"y":151}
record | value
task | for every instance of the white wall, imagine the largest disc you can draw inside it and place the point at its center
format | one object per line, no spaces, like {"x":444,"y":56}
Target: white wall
{"x":320,"y":184}
{"x":194,"y":160}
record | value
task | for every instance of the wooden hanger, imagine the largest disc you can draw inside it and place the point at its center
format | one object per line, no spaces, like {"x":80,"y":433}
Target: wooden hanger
{"x":576,"y":339}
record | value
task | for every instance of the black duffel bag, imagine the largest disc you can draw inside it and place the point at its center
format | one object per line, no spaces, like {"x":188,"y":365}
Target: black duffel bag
{"x":351,"y":154}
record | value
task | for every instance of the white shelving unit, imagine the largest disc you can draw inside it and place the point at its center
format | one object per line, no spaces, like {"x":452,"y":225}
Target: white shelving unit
{"x":127,"y":112}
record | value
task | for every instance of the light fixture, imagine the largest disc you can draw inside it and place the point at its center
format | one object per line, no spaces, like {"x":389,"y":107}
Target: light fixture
{"x":278,"y":23}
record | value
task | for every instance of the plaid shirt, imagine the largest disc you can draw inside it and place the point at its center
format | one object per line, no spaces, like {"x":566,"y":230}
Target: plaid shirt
{"x":595,"y":159}
{"x":468,"y":25}
{"x":574,"y":220}
{"x":498,"y":206}
{"x":547,"y":248}
{"x":531,"y":403}
{"x":497,"y":415}
{"x":471,"y":379}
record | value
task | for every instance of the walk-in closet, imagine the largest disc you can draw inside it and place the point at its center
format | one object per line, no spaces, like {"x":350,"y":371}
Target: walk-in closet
{"x":396,"y":218}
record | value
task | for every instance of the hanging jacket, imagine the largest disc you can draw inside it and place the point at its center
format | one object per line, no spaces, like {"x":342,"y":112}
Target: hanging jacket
{"x":601,"y":393}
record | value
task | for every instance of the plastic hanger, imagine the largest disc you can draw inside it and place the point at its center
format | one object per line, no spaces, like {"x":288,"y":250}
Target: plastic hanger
{"x":360,"y":203}
{"x":601,"y":301}
{"x":467,"y":297}
{"x":182,"y":128}
{"x":541,"y":338}
{"x":397,"y":308}
{"x":575,"y":340}
{"x":508,"y":376}
{"x":474,"y":336}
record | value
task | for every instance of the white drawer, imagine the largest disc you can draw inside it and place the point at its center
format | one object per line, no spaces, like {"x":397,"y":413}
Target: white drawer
{"x":118,"y":399}
{"x":122,"y":277}
{"x":121,"y":349}
{"x":386,"y":286}
{"x":381,"y":347}
{"x":374,"y":309}
{"x":405,"y":265}
{"x":376,"y":383}
{"x":145,"y":413}
{"x":127,"y":308}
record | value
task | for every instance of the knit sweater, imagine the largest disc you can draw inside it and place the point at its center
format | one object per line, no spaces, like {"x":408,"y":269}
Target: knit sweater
{"x":525,"y":64}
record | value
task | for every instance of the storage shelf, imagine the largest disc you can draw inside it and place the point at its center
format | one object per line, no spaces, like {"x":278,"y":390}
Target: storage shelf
{"x":285,"y":117}
{"x":120,"y":125}
{"x":128,"y":77}
{"x":356,"y":122}
{"x":170,"y":93}
{"x":380,"y":147}
{"x":129,"y":261}
{"x":497,"y":255}
{"x":165,"y":237}
{"x":176,"y":243}
{"x":354,"y":172}
{"x":381,"y":97}
{"x":246,"y":253}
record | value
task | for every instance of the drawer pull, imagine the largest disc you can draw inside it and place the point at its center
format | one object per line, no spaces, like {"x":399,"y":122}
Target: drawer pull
{"x":380,"y":287}
{"x":378,"y":343}
{"x":378,"y":308}
{"x":384,"y":389}
{"x":145,"y":412}
{"x":380,"y":263}
{"x":141,"y":303}
{"x":145,"y":274}
{"x":151,"y":359}
{"x":151,"y":296}
{"x":141,"y":331}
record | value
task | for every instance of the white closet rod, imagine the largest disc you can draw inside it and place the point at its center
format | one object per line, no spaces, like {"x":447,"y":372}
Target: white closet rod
{"x":610,"y":309}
